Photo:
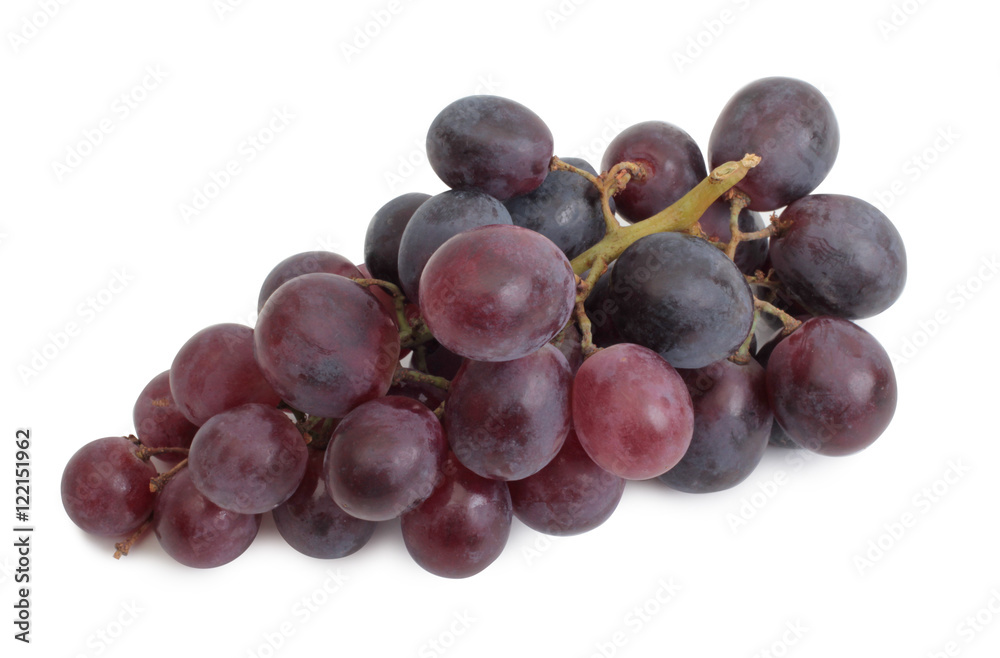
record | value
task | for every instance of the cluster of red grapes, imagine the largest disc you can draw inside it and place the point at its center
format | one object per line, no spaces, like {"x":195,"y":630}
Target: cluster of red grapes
{"x":509,"y":348}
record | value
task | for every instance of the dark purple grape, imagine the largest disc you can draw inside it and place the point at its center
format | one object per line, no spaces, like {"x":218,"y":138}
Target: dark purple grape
{"x":215,"y":370}
{"x":326,"y":344}
{"x":385,"y":458}
{"x":507,"y":420}
{"x":385,"y":231}
{"x":672,"y":160}
{"x":491,"y":144}
{"x":497,"y":293}
{"x":462,"y":527}
{"x":750,"y":255}
{"x":569,"y":496}
{"x":838,"y":255}
{"x":631,"y":411}
{"x":441,"y":217}
{"x":158,"y":421}
{"x":313,"y":524}
{"x":602,"y":311}
{"x":442,"y":362}
{"x":195,"y":531}
{"x":680,"y":296}
{"x":249,"y":459}
{"x":309,"y":262}
{"x":566,"y":209}
{"x":429,"y":395}
{"x":732,"y":423}
{"x":831,"y":386}
{"x":791,"y":126}
{"x":105,"y":487}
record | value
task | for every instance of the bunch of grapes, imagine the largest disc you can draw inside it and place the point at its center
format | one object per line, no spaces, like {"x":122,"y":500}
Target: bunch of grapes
{"x":510,"y":348}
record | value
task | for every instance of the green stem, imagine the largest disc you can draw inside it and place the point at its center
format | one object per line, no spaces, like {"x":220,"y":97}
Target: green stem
{"x":417,"y":376}
{"x":790,"y":323}
{"x":683,"y":214}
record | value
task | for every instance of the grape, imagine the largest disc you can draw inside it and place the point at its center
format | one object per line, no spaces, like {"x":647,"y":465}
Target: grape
{"x":839,"y":256}
{"x":384,"y":458}
{"x":672,"y":160}
{"x":680,"y":296}
{"x":385,"y":232}
{"x":313,"y":524}
{"x":566,"y":209}
{"x":249,"y":459}
{"x":507,"y":420}
{"x":751,"y":254}
{"x":215,"y":370}
{"x":569,"y":496}
{"x":831,"y":386}
{"x":308,"y":262}
{"x":491,"y":144}
{"x":435,"y":221}
{"x":462,"y":527}
{"x":158,"y":422}
{"x":442,"y":362}
{"x":326,"y":345}
{"x":497,"y":293}
{"x":105,"y":487}
{"x":779,"y":438}
{"x":602,"y":311}
{"x":791,"y":126}
{"x":632,"y":412}
{"x":195,"y":531}
{"x":732,"y":423}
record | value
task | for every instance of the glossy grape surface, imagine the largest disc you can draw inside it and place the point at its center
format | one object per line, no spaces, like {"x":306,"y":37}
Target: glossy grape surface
{"x":490,"y":143}
{"x":158,"y":422}
{"x":385,"y":458}
{"x":791,"y":126}
{"x":313,"y":524}
{"x":507,"y":420}
{"x":309,"y":262}
{"x":385,"y":231}
{"x":831,"y":386}
{"x":632,"y":412}
{"x":673,"y":162}
{"x":462,"y":527}
{"x":249,"y":459}
{"x":839,"y":256}
{"x":680,"y":296}
{"x":105,"y":487}
{"x":215,"y":370}
{"x":566,"y":209}
{"x":195,"y":531}
{"x":326,"y":344}
{"x":732,"y":423}
{"x":497,"y":293}
{"x":441,"y":217}
{"x":569,"y":496}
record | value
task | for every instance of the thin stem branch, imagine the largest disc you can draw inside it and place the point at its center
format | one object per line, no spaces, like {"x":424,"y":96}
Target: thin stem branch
{"x":160,"y":481}
{"x":790,"y":323}
{"x":123,"y":547}
{"x":409,"y":374}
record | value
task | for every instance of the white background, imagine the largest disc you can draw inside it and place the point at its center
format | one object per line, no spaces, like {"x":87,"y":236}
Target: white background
{"x":787,"y":581}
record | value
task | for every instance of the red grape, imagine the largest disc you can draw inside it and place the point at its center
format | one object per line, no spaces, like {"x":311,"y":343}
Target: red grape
{"x":497,"y":293}
{"x":631,"y":411}
{"x":105,"y":487}
{"x":326,"y":344}
{"x":462,"y":527}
